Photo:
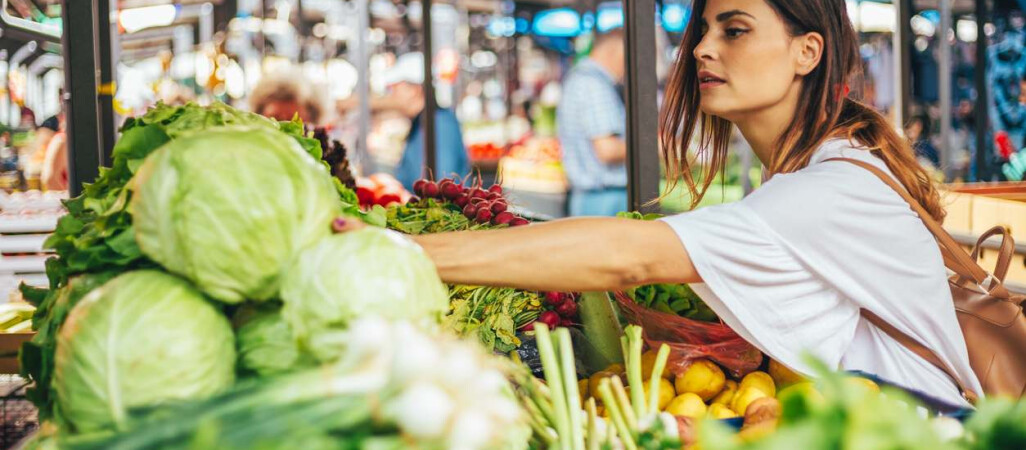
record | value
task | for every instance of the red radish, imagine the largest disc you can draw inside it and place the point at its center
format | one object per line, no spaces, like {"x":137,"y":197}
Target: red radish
{"x":480,"y":193}
{"x":450,"y":190}
{"x":365,"y":195}
{"x":388,"y":199}
{"x":499,"y":206}
{"x":476,"y":200}
{"x":418,"y":187}
{"x":568,"y":309}
{"x":528,"y":327}
{"x":554,"y":298}
{"x":497,"y":189}
{"x":470,"y":211}
{"x":484,"y":215}
{"x":518,"y":221}
{"x":493,"y":196}
{"x":502,"y":218}
{"x":549,"y":318}
{"x":430,"y":190}
{"x":566,"y":323}
{"x":461,"y":201}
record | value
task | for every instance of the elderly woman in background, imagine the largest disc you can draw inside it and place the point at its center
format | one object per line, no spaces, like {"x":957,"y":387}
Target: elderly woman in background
{"x":283,"y":95}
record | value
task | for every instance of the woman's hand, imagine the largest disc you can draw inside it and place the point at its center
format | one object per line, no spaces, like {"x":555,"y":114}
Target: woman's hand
{"x":343,"y":224}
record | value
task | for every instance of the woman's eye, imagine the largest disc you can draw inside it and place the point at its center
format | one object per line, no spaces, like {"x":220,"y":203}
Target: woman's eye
{"x":735,"y":32}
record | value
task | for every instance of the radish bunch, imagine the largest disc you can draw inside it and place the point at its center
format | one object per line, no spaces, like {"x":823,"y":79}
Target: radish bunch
{"x":479,"y":205}
{"x":562,"y":311}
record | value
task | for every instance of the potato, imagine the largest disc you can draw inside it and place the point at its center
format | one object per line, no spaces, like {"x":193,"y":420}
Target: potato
{"x":766,"y":409}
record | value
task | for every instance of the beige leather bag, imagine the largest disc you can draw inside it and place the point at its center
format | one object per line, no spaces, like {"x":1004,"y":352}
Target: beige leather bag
{"x":991,"y":317}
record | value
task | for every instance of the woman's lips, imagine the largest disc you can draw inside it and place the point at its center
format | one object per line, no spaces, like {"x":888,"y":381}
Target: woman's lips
{"x":707,"y":80}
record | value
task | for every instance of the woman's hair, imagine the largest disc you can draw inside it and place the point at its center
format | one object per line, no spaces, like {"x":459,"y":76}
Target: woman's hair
{"x":823,"y":112}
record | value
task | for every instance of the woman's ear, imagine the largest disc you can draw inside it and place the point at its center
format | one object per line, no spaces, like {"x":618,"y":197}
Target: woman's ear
{"x":809,"y":49}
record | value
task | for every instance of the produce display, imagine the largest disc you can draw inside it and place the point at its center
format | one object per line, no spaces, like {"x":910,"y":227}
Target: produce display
{"x":200,"y":300}
{"x":16,"y":317}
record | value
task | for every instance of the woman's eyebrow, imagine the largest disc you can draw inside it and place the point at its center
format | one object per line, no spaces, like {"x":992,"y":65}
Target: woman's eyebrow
{"x":726,"y":15}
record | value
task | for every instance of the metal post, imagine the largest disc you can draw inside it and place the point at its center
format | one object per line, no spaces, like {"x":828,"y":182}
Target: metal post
{"x":362,"y":62}
{"x":642,"y":113}
{"x":105,"y":57}
{"x":428,"y":120}
{"x":943,"y":31}
{"x":982,"y":99}
{"x":902,"y":61}
{"x":80,"y":96}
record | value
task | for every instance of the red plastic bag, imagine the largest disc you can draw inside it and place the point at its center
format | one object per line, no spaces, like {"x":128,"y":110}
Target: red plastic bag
{"x":692,"y":339}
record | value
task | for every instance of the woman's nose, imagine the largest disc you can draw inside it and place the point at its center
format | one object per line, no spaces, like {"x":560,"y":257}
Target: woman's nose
{"x":703,"y":51}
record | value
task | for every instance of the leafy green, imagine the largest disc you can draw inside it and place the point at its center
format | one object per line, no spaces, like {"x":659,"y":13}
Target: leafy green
{"x":367,"y":272}
{"x":231,"y":232}
{"x":676,"y":299}
{"x":36,"y":358}
{"x":491,"y":314}
{"x":266,"y":343}
{"x":998,"y":424}
{"x":97,"y":235}
{"x":142,"y":339}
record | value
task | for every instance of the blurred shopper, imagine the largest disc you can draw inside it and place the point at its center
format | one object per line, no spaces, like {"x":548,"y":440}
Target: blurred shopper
{"x":918,"y":133}
{"x":406,"y":95}
{"x":54,"y":175}
{"x":283,"y":95}
{"x":591,"y":122}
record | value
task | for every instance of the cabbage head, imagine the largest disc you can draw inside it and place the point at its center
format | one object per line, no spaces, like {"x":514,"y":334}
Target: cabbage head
{"x":266,"y":343}
{"x":229,"y":208}
{"x":370,"y":272}
{"x":144,"y":338}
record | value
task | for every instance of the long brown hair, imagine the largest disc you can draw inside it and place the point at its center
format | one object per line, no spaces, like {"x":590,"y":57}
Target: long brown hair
{"x":824,"y":110}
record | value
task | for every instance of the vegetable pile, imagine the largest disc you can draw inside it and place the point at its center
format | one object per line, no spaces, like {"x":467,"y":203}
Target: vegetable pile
{"x":205,"y":256}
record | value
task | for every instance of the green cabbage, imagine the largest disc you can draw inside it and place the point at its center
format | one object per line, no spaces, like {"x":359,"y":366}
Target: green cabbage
{"x":229,"y":208}
{"x":266,"y":343}
{"x":144,"y":338}
{"x":370,"y":272}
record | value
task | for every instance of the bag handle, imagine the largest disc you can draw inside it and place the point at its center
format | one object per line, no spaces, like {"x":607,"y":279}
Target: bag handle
{"x":1005,"y":252}
{"x":954,"y":257}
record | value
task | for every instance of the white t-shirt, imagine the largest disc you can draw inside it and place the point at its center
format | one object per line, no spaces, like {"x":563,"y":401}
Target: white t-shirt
{"x":789,"y":267}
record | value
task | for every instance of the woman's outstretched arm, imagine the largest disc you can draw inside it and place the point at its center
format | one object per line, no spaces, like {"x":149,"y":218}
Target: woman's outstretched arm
{"x":588,"y":254}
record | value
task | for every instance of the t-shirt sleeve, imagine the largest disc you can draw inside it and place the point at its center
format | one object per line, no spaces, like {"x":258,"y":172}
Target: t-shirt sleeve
{"x":761,"y":289}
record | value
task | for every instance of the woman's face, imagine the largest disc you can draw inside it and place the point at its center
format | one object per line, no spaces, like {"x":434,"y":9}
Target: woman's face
{"x":746,"y":60}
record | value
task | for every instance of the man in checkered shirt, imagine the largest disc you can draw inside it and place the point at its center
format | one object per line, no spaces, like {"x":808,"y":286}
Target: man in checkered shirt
{"x":591,"y":120}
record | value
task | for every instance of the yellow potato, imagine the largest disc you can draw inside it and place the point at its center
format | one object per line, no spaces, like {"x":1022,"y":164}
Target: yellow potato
{"x":761,"y":381}
{"x":665,"y":392}
{"x":687,"y":405}
{"x":596,"y":378}
{"x":582,"y":390}
{"x":721,"y":411}
{"x":727,"y":394}
{"x":745,"y":396}
{"x":863,"y":383}
{"x":648,"y":363}
{"x":782,"y":375}
{"x":703,"y":377}
{"x":615,"y":368}
{"x":806,"y":389}
{"x":766,"y":409}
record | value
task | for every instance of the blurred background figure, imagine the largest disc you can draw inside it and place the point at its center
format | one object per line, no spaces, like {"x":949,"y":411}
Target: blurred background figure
{"x":918,"y":133}
{"x":591,"y":121}
{"x":283,"y":95}
{"x":405,"y":96}
{"x":54,"y":175}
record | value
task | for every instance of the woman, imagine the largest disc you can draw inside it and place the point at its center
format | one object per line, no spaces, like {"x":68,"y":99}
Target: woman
{"x":790,"y":266}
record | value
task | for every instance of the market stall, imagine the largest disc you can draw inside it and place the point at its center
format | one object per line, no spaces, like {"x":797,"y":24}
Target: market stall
{"x":191,"y":246}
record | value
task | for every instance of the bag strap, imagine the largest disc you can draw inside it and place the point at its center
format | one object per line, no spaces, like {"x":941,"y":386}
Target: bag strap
{"x":919,"y":349}
{"x":954,"y":254}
